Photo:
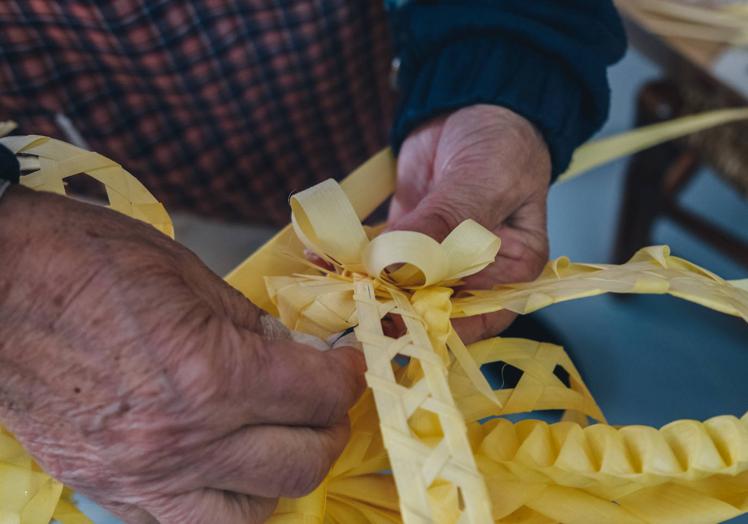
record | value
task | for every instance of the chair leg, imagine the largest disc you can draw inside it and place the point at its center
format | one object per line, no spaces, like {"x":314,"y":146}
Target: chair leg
{"x":645,"y":193}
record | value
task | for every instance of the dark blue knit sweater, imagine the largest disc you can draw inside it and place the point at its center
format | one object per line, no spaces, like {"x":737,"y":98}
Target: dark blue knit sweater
{"x":543,"y":59}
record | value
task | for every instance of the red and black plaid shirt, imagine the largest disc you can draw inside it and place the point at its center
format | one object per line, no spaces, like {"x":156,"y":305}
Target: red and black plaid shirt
{"x":224,"y":107}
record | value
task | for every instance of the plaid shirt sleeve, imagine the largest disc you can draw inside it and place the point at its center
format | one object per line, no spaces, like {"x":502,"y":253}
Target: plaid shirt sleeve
{"x":223,"y":107}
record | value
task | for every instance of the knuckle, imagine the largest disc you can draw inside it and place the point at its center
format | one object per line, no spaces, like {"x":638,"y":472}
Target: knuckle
{"x":444,"y":215}
{"x":302,"y":478}
{"x":206,"y":365}
{"x":541,"y":254}
{"x":328,"y":410}
{"x":139,"y":451}
{"x":354,"y":386}
{"x":337,"y":407}
{"x":349,"y":385}
{"x":196,"y":378}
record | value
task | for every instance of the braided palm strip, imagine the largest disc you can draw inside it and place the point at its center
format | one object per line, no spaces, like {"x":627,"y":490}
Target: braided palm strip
{"x":412,"y":459}
{"x":691,"y":468}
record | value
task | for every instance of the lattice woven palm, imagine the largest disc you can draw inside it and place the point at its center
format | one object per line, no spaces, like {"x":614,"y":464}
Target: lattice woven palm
{"x":533,"y":471}
{"x":51,"y":162}
{"x":417,"y":451}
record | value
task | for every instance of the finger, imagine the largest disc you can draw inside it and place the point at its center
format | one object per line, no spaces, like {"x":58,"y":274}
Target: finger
{"x":237,"y":375}
{"x":523,"y":254}
{"x":484,"y":164}
{"x":521,"y":259}
{"x":444,"y":208}
{"x":482,"y":190}
{"x":398,"y":208}
{"x":415,"y":169}
{"x":473,"y":329}
{"x":287,"y":383}
{"x":201,"y":506}
{"x":274,"y":461}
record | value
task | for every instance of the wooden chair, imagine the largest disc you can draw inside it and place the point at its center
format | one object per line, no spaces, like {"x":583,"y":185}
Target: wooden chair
{"x":656,"y":177}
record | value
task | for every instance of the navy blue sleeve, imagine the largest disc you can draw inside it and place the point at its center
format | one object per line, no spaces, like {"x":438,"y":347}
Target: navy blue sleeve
{"x":546,"y":60}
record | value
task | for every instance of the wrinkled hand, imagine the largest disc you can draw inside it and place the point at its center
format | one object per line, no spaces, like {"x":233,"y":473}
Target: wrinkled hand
{"x":135,"y":375}
{"x":489,"y":164}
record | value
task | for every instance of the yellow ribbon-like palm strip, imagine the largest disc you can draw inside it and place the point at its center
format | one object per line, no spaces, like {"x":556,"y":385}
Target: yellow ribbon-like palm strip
{"x":604,"y":474}
{"x":471,"y":472}
{"x":719,"y":22}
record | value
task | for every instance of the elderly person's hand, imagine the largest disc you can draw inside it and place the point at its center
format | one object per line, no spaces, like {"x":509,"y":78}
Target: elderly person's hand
{"x":486,"y":163}
{"x":134,"y":374}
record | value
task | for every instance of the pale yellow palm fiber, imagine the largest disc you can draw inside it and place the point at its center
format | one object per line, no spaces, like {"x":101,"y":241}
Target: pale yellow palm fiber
{"x":447,"y":467}
{"x":720,"y":22}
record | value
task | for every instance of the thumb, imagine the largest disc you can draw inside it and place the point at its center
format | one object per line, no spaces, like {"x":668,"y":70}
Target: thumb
{"x":288,"y":383}
{"x":446,"y":207}
{"x":430,"y":220}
